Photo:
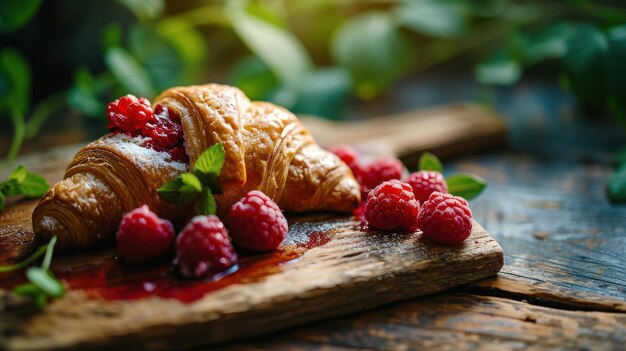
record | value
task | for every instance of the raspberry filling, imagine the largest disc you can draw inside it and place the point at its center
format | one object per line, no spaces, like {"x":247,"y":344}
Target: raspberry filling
{"x":160,"y":127}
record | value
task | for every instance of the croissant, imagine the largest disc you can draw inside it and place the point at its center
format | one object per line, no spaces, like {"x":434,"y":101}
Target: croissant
{"x":266,"y":149}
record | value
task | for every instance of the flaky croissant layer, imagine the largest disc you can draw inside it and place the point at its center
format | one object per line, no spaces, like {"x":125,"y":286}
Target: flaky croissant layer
{"x":267,"y":149}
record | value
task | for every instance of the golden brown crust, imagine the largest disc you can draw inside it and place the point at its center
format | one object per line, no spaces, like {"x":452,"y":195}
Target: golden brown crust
{"x":267,"y":148}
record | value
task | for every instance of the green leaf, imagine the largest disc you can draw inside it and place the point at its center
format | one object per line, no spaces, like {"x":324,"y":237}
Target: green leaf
{"x":111,"y":36}
{"x":440,"y":18}
{"x":430,"y":162}
{"x":324,"y":93}
{"x":19,"y":174}
{"x":144,"y":9}
{"x":190,"y":47}
{"x":498,"y":70}
{"x":374,"y":50}
{"x":615,"y":65}
{"x":619,"y":159}
{"x":465,"y":185}
{"x":83,"y":96}
{"x":23,"y":264}
{"x":15,"y":13}
{"x":584,"y":63}
{"x":210,"y":162}
{"x":27,"y":289}
{"x":254,"y":78}
{"x":278,"y":48}
{"x":49,"y":252}
{"x":1,"y":203}
{"x":44,"y":280}
{"x":616,"y":186}
{"x":191,"y":180}
{"x":176,"y":191}
{"x":33,"y":185}
{"x":10,"y":187}
{"x":205,"y":203}
{"x":128,"y":72}
{"x":15,"y":80}
{"x":548,"y":44}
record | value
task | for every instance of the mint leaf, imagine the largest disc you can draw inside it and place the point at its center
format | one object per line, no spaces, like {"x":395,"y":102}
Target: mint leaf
{"x":27,"y":289}
{"x":1,"y":201}
{"x":616,"y":186}
{"x":209,"y":165}
{"x":18,"y":174}
{"x":465,"y":185}
{"x":179,"y":192}
{"x":430,"y":162}
{"x":33,"y":185}
{"x":10,"y":187}
{"x":205,"y":204}
{"x":191,"y":180}
{"x":44,"y":280}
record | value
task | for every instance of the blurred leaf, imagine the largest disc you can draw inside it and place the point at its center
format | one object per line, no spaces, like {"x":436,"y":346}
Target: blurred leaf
{"x":324,"y":93}
{"x":144,"y":9}
{"x":15,"y":13}
{"x":373,"y":49}
{"x":279,"y":49}
{"x":550,"y":43}
{"x":430,"y":162}
{"x":465,"y":185}
{"x":487,"y":8}
{"x":18,"y":174}
{"x":129,"y":72}
{"x":205,"y":203}
{"x":33,"y":185}
{"x":619,"y":158}
{"x":253,"y":77}
{"x":266,"y":12}
{"x":440,"y":18}
{"x":111,"y":36}
{"x":44,"y":280}
{"x":1,"y":201}
{"x":499,"y":70}
{"x":584,"y":63}
{"x":15,"y":81}
{"x":177,"y":191}
{"x":616,"y":186}
{"x":189,"y":44}
{"x":283,"y":95}
{"x":615,"y":65}
{"x":83,"y":96}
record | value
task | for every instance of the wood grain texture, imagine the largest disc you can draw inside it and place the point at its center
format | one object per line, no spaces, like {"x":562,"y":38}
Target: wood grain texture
{"x":454,"y":322}
{"x":564,"y":241}
{"x":355,"y":270}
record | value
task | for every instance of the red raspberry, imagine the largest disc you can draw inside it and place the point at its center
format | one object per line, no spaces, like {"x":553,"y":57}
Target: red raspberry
{"x":203,"y":248}
{"x":381,"y":170}
{"x":256,"y":223}
{"x":392,"y":205}
{"x":164,"y":128}
{"x":349,"y":156}
{"x":425,"y":183}
{"x":142,"y":235}
{"x":129,"y":113}
{"x":445,"y":219}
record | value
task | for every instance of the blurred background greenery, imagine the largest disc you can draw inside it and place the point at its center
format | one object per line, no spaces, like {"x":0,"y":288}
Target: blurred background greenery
{"x":62,"y":61}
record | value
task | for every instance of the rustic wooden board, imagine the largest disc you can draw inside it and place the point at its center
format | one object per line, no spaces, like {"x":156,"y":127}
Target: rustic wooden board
{"x":352,"y":270}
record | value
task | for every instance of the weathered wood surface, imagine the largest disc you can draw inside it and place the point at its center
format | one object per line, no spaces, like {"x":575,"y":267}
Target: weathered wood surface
{"x":455,"y":322}
{"x":354,"y":270}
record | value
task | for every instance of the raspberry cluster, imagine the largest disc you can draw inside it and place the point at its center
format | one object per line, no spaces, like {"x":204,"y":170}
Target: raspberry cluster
{"x":161,"y":127}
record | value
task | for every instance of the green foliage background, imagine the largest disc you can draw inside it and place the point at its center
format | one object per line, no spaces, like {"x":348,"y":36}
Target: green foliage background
{"x":313,"y":56}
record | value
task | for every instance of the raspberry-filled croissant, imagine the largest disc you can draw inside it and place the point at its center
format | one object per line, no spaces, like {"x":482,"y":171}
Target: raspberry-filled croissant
{"x":267,"y":149}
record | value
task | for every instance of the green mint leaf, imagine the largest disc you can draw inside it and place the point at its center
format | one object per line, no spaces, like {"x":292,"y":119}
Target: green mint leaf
{"x":41,"y":299}
{"x":430,"y":162}
{"x":616,"y":186}
{"x":1,"y":201}
{"x":33,"y":185}
{"x":35,"y":255}
{"x":10,"y":187}
{"x":44,"y":280}
{"x":191,"y":180}
{"x":205,"y":204}
{"x":465,"y":185}
{"x":179,"y":192}
{"x":210,"y":163}
{"x":49,"y":250}
{"x":27,"y":289}
{"x":18,"y":174}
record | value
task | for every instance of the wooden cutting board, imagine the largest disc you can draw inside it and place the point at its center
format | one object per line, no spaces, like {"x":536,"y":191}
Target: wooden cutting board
{"x":328,"y":266}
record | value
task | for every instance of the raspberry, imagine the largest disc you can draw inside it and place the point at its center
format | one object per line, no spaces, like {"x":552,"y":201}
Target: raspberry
{"x":349,"y":156}
{"x":445,"y":219}
{"x":381,"y":170}
{"x":142,"y":235}
{"x":164,"y":128}
{"x":425,"y":183}
{"x":392,"y":205}
{"x":129,"y":113}
{"x":256,"y":223}
{"x":203,"y":248}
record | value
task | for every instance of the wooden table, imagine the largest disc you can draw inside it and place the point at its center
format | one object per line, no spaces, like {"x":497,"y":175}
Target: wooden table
{"x":563,"y":285}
